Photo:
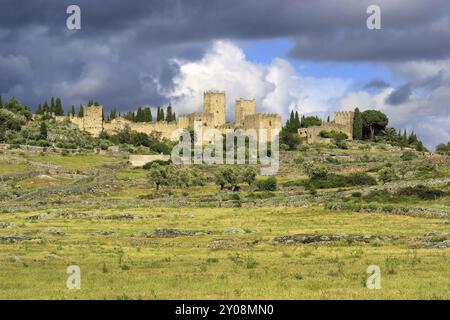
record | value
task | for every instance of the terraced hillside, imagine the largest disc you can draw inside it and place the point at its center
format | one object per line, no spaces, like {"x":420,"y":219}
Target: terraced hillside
{"x":333,"y":213}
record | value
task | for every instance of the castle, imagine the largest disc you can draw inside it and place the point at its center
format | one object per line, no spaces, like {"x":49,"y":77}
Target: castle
{"x":213,"y":116}
{"x":343,"y":123}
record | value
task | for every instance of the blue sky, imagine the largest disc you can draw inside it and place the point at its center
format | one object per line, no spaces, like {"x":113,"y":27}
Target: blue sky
{"x":264,"y":51}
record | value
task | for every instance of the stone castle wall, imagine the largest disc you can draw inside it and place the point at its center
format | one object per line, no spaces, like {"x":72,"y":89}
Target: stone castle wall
{"x":212,"y":117}
{"x":343,"y":123}
{"x":162,"y":127}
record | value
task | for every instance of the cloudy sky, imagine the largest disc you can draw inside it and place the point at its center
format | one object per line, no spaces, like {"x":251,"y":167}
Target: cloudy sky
{"x":314,"y":56}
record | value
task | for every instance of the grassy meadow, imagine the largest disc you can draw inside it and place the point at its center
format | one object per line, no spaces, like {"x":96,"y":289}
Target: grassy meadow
{"x":132,"y":242}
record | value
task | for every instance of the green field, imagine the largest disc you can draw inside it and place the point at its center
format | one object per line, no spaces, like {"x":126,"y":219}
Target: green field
{"x":132,"y":242}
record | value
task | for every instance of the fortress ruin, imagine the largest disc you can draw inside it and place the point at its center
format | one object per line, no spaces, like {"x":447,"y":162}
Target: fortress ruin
{"x":342,"y":123}
{"x":213,"y":116}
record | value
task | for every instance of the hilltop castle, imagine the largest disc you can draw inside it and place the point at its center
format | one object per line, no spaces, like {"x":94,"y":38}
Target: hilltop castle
{"x":213,"y":116}
{"x":342,"y":123}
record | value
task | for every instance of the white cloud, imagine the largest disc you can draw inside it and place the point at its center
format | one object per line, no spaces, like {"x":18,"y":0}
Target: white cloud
{"x":277,"y":87}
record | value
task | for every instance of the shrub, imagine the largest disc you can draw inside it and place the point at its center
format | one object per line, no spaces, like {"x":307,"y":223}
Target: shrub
{"x":269,"y":184}
{"x":340,"y":181}
{"x":387,"y":174}
{"x":421,"y":192}
{"x":408,"y":156}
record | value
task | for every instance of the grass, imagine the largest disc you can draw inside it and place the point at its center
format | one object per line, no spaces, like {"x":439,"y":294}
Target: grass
{"x":8,"y":167}
{"x":119,"y":264}
{"x":78,"y":161}
{"x":118,"y":261}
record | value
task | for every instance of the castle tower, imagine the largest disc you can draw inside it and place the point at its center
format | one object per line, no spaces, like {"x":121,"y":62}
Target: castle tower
{"x":214,"y":103}
{"x":243,"y":108}
{"x":344,"y":117}
{"x":93,"y":120}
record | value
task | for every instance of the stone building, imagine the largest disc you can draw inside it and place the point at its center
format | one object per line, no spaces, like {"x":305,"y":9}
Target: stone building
{"x":342,"y":123}
{"x":213,"y":116}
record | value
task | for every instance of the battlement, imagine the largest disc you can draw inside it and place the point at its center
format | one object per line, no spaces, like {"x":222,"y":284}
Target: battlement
{"x":213,"y":116}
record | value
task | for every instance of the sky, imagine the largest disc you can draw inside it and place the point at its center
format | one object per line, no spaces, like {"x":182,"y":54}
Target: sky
{"x":312,"y":56}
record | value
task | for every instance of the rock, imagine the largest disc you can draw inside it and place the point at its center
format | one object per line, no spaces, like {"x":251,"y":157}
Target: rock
{"x":53,"y":232}
{"x":102,"y":233}
{"x":233,"y":230}
{"x":14,"y":238}
{"x":16,"y":259}
{"x":126,"y":216}
{"x":439,"y":245}
{"x":216,"y":244}
{"x":53,"y":256}
{"x":317,"y":238}
{"x":173,"y":233}
{"x":4,"y":225}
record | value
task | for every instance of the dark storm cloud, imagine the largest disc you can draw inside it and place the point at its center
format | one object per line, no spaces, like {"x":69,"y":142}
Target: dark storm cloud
{"x":376,"y":84}
{"x":122,"y":55}
{"x":400,"y":95}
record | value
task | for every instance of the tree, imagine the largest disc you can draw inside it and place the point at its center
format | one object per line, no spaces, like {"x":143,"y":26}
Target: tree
{"x":1,"y":103}
{"x":169,"y":113}
{"x":72,"y":111}
{"x":113,"y":113}
{"x":443,"y":149}
{"x":59,"y":110}
{"x":374,"y":121}
{"x":159,"y":175}
{"x":148,"y":115}
{"x":220,"y":177}
{"x":52,"y":105}
{"x":39,"y":110}
{"x":46,"y":108}
{"x":43,"y":131}
{"x":81,"y":111}
{"x":249,"y":175}
{"x":310,"y":121}
{"x":357,"y":125}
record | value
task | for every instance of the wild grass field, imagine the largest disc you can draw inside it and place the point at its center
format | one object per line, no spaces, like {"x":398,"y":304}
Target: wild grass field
{"x":133,"y":242}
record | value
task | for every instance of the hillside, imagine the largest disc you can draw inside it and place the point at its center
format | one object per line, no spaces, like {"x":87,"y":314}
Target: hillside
{"x":332,"y":213}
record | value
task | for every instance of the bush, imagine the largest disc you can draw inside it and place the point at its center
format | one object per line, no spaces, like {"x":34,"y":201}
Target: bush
{"x":421,"y":192}
{"x":148,"y":165}
{"x":340,"y":181}
{"x":269,"y":184}
{"x":387,"y":174}
{"x":408,"y":156}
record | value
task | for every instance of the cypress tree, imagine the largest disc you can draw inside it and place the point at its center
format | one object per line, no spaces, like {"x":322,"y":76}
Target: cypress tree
{"x":52,"y":105}
{"x":357,"y":125}
{"x":81,"y":111}
{"x":59,"y":110}
{"x":169,"y":113}
{"x":46,"y":108}
{"x":72,"y":111}
{"x":1,"y":103}
{"x":297,"y":121}
{"x":39,"y":110}
{"x":148,"y":115}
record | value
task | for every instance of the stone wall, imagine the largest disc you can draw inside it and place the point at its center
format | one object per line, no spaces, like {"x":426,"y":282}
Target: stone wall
{"x":258,"y":121}
{"x":212,"y":117}
{"x":343,"y":123}
{"x":137,"y":160}
{"x":164,"y":128}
